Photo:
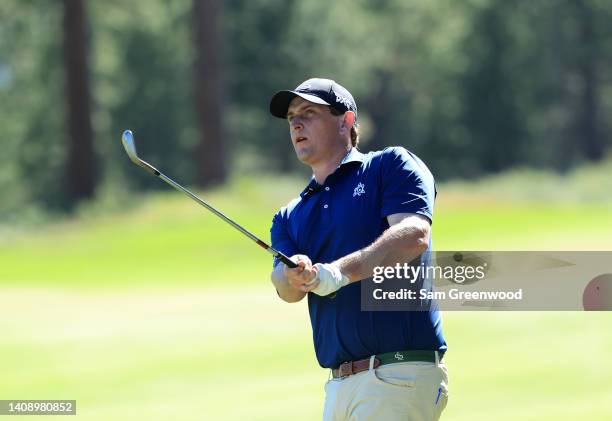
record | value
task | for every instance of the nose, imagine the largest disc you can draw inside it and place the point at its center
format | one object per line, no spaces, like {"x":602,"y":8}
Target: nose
{"x":296,"y":123}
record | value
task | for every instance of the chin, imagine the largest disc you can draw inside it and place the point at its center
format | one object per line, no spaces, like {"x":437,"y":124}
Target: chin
{"x":303,"y":155}
{"x":304,"y":159}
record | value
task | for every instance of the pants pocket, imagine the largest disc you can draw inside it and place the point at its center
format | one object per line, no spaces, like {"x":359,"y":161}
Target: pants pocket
{"x":395,"y":376}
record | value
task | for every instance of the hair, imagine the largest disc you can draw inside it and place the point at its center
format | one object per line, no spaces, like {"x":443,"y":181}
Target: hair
{"x":354,"y":129}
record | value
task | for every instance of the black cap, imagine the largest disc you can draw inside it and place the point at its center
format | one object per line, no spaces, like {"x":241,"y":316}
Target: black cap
{"x":319,"y":91}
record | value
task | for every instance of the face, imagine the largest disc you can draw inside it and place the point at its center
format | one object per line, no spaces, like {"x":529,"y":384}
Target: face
{"x":315,"y":132}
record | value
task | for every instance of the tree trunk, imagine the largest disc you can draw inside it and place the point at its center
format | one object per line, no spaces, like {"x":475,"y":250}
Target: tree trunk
{"x":588,"y":129}
{"x":80,"y":171}
{"x":380,"y":112}
{"x":211,"y":150}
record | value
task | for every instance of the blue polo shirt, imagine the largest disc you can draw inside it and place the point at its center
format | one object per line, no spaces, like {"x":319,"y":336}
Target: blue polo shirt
{"x":347,"y":213}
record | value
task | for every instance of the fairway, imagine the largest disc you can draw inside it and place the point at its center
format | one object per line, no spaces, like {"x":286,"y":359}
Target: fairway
{"x":241,"y":354}
{"x":162,"y":312}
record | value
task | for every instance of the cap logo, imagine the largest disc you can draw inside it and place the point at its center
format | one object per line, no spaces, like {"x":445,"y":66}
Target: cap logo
{"x":343,"y":100}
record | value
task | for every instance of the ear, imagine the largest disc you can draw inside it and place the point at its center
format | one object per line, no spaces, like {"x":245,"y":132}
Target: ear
{"x":347,"y":122}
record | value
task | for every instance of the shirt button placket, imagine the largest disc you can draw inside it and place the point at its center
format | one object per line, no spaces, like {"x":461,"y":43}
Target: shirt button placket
{"x":326,"y":213}
{"x":325,"y":206}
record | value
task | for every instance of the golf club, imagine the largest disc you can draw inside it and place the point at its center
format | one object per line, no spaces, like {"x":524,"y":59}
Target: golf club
{"x":128,"y":143}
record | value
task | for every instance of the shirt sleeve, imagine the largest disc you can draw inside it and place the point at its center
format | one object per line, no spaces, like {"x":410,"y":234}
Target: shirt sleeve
{"x":279,"y":233}
{"x":407,"y":184}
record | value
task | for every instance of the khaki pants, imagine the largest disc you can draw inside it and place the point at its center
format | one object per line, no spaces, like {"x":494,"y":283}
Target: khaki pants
{"x":409,"y":391}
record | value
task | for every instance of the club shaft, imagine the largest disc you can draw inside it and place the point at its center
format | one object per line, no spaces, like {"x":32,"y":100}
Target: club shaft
{"x":209,"y":207}
{"x":286,"y":260}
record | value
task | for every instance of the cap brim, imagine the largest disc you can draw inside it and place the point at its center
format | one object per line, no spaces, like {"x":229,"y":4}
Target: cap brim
{"x":279,"y":104}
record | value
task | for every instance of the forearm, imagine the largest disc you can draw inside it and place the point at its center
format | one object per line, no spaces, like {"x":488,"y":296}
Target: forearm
{"x":402,"y":242}
{"x":285,"y":291}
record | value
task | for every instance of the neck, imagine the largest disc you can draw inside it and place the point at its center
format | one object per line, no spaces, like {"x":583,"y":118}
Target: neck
{"x":323,"y":169}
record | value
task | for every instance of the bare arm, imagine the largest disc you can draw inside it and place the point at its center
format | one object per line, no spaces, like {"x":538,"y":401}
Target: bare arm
{"x":405,"y":239}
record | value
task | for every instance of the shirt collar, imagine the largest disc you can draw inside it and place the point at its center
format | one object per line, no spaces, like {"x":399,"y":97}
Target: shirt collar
{"x":353,"y":155}
{"x":312,"y":187}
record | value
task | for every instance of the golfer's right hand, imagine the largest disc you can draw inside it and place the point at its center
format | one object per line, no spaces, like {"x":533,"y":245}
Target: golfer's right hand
{"x":303,"y":277}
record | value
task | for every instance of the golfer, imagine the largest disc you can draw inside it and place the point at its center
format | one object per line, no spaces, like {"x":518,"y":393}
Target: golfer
{"x":359,"y":211}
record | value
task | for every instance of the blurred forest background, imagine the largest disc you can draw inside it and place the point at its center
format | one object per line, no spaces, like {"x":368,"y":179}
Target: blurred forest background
{"x":473,"y":87}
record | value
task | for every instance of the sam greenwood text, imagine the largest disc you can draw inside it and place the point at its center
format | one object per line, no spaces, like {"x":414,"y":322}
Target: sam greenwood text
{"x":452,"y":294}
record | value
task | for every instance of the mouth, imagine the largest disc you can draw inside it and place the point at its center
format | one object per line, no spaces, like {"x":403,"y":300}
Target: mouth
{"x":300,"y":139}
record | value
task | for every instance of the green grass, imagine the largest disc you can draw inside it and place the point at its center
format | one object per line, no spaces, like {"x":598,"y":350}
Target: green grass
{"x":162,"y":312}
{"x":240,"y":353}
{"x":168,"y":240}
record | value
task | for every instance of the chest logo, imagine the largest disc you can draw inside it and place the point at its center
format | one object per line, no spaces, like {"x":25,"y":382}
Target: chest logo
{"x":359,"y":190}
{"x":398,"y":356}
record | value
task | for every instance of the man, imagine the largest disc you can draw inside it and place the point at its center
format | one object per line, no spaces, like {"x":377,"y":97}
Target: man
{"x":358,"y":212}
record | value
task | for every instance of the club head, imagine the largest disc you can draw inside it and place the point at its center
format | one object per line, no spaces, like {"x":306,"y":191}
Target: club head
{"x":130,"y":148}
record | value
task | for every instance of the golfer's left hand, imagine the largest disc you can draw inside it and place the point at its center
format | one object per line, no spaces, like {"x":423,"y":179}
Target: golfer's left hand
{"x":304,"y":276}
{"x":330,"y":279}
